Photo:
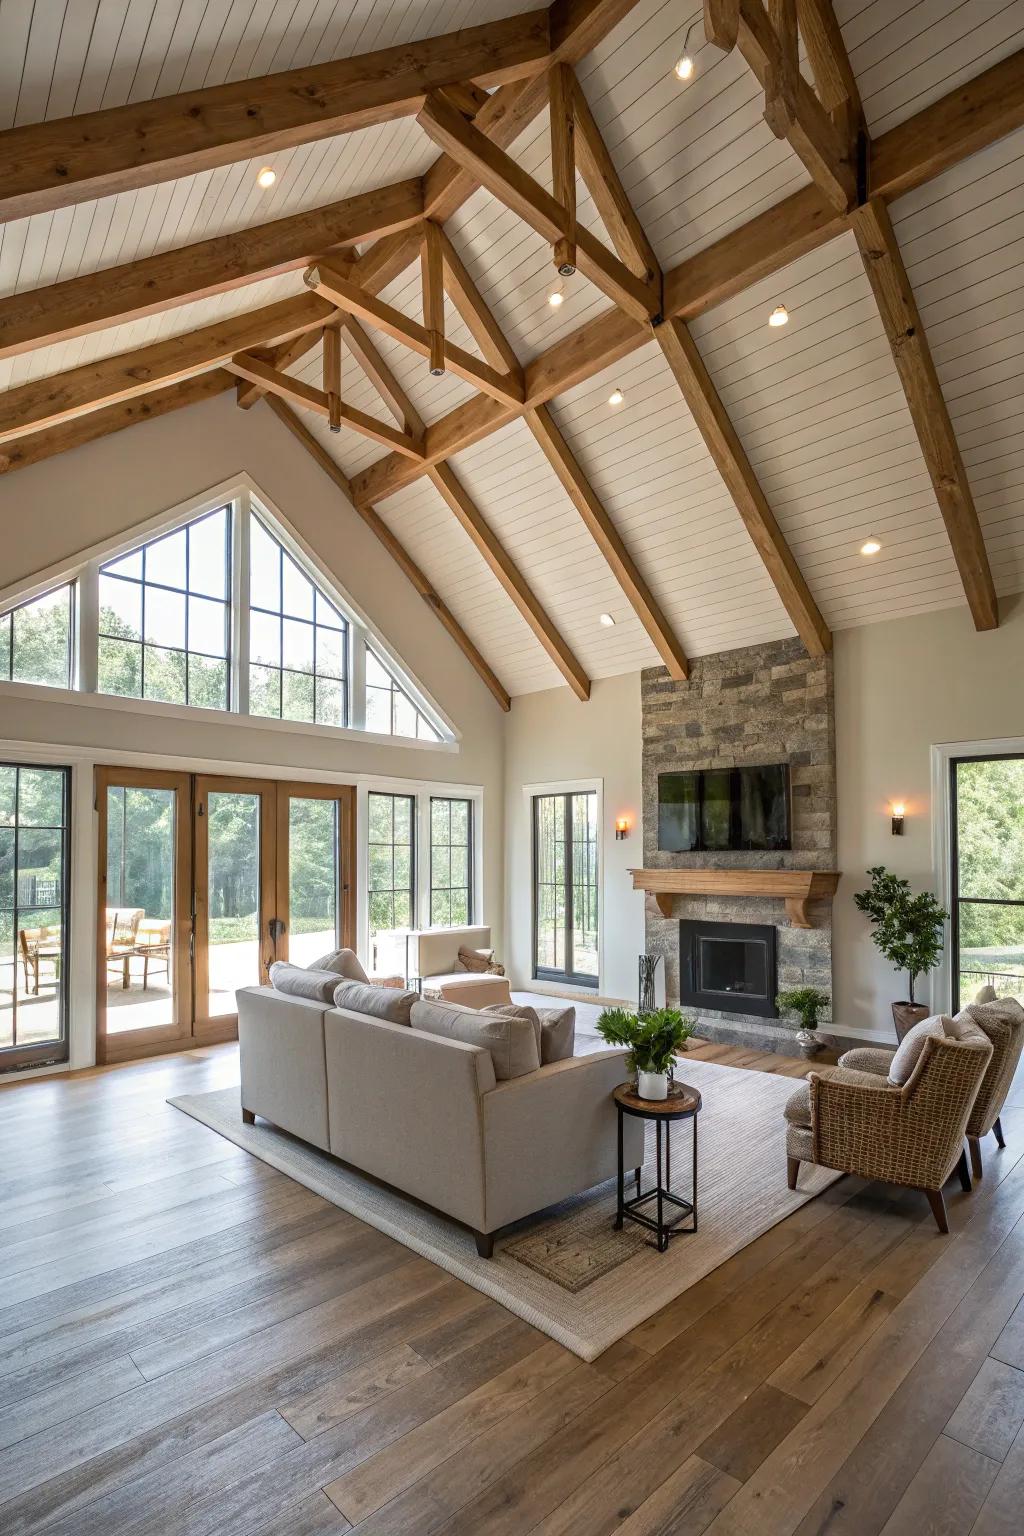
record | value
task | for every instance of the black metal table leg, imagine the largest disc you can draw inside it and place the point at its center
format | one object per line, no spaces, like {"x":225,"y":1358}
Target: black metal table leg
{"x":621,"y":1178}
{"x":659,"y":1209}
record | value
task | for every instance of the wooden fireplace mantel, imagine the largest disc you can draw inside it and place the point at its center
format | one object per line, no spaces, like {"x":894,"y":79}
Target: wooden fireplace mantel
{"x":796,"y":887}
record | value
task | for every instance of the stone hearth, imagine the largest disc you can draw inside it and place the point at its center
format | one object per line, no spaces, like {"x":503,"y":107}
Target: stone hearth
{"x":763,"y":704}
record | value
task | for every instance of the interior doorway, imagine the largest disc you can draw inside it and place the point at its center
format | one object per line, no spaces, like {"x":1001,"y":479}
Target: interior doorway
{"x":203,"y":882}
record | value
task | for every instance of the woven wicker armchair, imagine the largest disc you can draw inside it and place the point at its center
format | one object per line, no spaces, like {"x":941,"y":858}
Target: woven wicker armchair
{"x":1002,"y":1021}
{"x":859,"y":1122}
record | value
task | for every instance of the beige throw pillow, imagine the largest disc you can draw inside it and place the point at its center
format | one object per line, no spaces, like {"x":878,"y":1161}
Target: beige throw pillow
{"x":378,"y":1002}
{"x":557,"y":1033}
{"x":909,"y":1054}
{"x":302,"y":981}
{"x":479,"y":961}
{"x":519,"y":1011}
{"x":343,"y":962}
{"x":511,"y":1042}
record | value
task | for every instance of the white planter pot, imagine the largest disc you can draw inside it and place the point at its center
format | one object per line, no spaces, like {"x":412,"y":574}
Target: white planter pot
{"x":652,"y":1085}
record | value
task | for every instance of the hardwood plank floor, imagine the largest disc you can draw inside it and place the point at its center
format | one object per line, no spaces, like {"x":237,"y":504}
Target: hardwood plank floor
{"x":192,"y":1345}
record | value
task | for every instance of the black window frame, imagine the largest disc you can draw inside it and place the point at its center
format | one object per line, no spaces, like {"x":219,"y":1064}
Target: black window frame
{"x":955,"y":899}
{"x":393,"y":795}
{"x":71,"y":587}
{"x":470,"y":886}
{"x":569,"y":974}
{"x":14,"y":1058}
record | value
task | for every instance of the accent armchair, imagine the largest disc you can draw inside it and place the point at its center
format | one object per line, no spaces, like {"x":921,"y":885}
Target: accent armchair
{"x":860,"y":1122}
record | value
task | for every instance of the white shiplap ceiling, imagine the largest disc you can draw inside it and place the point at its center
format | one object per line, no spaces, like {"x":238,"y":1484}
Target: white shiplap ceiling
{"x":817,"y":405}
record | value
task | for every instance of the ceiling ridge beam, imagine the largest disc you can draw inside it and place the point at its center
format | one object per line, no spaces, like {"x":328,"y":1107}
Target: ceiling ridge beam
{"x":508,"y":574}
{"x":318,"y":400}
{"x":984,"y":110}
{"x":608,"y":540}
{"x":56,"y":397}
{"x":113,"y":295}
{"x":98,"y":154}
{"x":373,"y":520}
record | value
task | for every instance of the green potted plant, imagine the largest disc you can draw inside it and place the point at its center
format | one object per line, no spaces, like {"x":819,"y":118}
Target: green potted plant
{"x":907,"y":931}
{"x":806,"y":1003}
{"x":653,"y":1038}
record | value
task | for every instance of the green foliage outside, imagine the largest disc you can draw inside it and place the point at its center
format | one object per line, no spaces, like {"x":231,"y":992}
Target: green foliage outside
{"x":907,"y":928}
{"x":805,"y":1002}
{"x":653,"y":1038}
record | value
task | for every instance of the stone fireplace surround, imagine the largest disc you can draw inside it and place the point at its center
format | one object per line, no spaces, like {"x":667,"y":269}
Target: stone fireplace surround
{"x":762,"y":704}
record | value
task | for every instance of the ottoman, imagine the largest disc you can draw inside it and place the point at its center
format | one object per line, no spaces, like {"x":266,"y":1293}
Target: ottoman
{"x":475,"y":990}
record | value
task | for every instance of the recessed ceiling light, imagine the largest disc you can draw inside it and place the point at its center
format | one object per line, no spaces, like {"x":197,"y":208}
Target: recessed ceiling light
{"x":779,"y":315}
{"x":683,"y":67}
{"x":607,"y":620}
{"x":616,"y":397}
{"x":556,"y":297}
{"x":870,"y":546}
{"x":266,"y":177}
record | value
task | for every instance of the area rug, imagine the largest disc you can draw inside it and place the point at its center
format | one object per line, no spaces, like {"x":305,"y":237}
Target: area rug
{"x":568,"y":1272}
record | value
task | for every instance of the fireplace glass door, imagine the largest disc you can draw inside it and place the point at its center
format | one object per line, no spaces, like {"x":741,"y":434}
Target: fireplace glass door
{"x":728,"y":967}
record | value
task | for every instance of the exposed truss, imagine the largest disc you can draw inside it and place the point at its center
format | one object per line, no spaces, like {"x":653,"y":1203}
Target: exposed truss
{"x":529,"y":59}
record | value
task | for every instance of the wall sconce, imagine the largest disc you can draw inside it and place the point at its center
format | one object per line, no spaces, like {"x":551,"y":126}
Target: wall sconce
{"x":621,"y":828}
{"x":899,"y":810}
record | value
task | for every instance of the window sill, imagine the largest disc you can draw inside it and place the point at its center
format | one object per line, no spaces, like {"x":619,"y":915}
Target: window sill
{"x":38,"y":693}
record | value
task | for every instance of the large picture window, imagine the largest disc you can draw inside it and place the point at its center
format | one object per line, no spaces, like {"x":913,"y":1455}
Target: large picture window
{"x":391,"y":878}
{"x":451,"y":862}
{"x":298,"y":641}
{"x":164,"y":617}
{"x":565,"y":906}
{"x":34,"y":854}
{"x":987,"y":906}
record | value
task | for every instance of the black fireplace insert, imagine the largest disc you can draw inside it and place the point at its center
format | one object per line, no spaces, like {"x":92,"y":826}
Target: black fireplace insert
{"x":729,"y":967}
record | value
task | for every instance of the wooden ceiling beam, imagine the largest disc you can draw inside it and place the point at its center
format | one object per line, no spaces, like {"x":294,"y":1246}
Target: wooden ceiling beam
{"x":79,"y":430}
{"x":114,"y":295}
{"x":432,"y":278}
{"x":69,"y":160}
{"x":476,"y":314}
{"x":312,"y":399}
{"x":834,"y":80}
{"x":395,"y":549}
{"x":976,"y":114}
{"x":348,"y":296}
{"x":608,"y":540}
{"x":605,"y":187}
{"x":381,"y":377}
{"x":282,"y":358}
{"x":46,"y":401}
{"x":505,"y":179}
{"x":503,"y":567}
{"x":563,"y":163}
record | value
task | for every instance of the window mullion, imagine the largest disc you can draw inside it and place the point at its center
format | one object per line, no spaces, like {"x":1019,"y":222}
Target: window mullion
{"x":241,"y":521}
{"x":88,"y":627}
{"x":357,"y":678}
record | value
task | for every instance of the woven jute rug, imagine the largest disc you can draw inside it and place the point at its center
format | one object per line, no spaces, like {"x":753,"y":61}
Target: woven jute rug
{"x":568,"y":1272}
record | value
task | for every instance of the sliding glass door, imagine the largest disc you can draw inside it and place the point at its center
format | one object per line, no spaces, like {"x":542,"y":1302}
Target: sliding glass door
{"x":34,"y":856}
{"x":565,"y":906}
{"x":987,"y":916}
{"x":200,"y":880}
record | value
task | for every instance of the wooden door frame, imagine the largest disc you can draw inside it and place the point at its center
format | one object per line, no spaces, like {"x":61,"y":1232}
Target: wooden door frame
{"x":345,"y":795}
{"x":129,"y":1045}
{"x":206,"y":1030}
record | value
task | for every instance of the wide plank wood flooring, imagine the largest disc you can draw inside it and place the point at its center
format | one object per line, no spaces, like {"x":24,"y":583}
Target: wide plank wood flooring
{"x":191,"y":1344}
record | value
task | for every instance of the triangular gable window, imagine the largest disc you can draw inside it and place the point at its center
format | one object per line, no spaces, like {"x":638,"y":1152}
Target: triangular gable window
{"x":37,"y":639}
{"x":389,"y":708}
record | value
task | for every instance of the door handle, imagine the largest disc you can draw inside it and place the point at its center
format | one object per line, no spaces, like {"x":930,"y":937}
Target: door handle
{"x":276,"y":929}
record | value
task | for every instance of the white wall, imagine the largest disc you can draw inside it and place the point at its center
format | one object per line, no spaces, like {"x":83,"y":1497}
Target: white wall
{"x":63,"y":506}
{"x":552,"y":737}
{"x":901,"y":688}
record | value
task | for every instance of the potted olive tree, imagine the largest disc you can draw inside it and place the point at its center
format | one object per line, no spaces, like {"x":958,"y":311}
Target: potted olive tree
{"x":653,"y":1039}
{"x":806,"y":1003}
{"x":907,"y":931}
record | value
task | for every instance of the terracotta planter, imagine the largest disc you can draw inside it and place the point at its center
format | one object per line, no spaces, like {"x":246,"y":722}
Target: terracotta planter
{"x":906,"y":1015}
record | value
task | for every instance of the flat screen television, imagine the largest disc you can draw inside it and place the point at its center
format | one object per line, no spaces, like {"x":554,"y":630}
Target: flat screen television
{"x":724,"y":809}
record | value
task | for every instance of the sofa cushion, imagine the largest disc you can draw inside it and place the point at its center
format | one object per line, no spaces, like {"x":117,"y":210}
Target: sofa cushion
{"x":302,"y":981}
{"x":343,"y":962}
{"x":378,"y":1002}
{"x":512,"y":1042}
{"x":909,"y":1053}
{"x":557,"y":1033}
{"x":519,"y":1011}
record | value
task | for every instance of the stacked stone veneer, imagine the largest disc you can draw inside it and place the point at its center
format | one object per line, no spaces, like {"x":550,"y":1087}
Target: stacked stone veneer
{"x":763,"y":704}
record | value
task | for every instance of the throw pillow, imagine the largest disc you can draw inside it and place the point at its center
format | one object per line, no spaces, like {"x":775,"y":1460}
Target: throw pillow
{"x":519,"y":1011}
{"x":986,"y":994}
{"x":300,"y":981}
{"x":343,"y":962}
{"x":379,"y":1002}
{"x":557,"y":1033}
{"x":480,"y":961}
{"x":909,"y":1054}
{"x":511,"y":1042}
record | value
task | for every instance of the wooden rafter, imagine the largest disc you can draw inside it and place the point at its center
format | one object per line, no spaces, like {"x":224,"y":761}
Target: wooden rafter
{"x":331,"y":359}
{"x":41,"y":316}
{"x":502,"y":565}
{"x":608,"y":540}
{"x":45,"y":401}
{"x":312,"y":399}
{"x":395,"y":549}
{"x":71,"y":160}
{"x":382,"y":378}
{"x":834,"y":79}
{"x":783,"y":70}
{"x":975,"y":114}
{"x":432,"y":269}
{"x":605,"y":187}
{"x":563,"y":164}
{"x":333,"y":285}
{"x":511,"y":185}
{"x":476,"y":314}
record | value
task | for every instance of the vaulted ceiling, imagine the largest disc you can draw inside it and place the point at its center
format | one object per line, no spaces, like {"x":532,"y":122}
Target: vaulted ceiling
{"x":817,"y":410}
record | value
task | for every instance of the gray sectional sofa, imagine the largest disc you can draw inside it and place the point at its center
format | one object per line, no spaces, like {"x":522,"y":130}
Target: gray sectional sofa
{"x":479,"y":1131}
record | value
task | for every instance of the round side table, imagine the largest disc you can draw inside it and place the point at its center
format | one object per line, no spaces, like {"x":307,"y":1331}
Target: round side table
{"x":683,"y":1103}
